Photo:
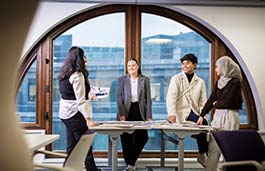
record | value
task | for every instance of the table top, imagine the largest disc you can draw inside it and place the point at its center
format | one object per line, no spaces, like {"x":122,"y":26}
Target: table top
{"x":36,"y":141}
{"x":133,"y":125}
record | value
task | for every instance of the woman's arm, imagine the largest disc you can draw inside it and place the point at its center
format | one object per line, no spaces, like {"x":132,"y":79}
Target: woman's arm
{"x":120,"y":99}
{"x":148,"y":100}
{"x":209,"y":104}
{"x":83,"y":105}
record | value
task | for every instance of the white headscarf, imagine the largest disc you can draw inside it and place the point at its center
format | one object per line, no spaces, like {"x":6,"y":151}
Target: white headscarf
{"x":228,"y":70}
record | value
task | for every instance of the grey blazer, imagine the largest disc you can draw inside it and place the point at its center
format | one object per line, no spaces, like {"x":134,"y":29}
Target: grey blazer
{"x":124,"y":96}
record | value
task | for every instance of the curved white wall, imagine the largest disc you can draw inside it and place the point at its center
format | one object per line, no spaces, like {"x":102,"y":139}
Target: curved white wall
{"x":242,"y":28}
{"x":47,"y":15}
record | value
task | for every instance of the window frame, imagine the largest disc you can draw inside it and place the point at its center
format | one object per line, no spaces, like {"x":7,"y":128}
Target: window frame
{"x":43,"y":53}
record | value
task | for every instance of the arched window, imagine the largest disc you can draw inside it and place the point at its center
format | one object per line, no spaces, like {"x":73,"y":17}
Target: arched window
{"x":110,"y":35}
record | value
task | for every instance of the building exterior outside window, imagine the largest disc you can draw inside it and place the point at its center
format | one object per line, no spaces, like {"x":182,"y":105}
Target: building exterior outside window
{"x":160,"y":54}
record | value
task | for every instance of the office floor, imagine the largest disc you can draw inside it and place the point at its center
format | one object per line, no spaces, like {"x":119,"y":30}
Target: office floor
{"x":141,"y":169}
{"x":191,"y":165}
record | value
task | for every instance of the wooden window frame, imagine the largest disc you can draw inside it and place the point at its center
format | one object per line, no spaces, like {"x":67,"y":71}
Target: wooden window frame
{"x":43,"y":53}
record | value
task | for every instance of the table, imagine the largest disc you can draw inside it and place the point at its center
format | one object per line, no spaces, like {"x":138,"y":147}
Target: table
{"x":115,"y":129}
{"x":181,"y":133}
{"x":114,"y":132}
{"x":36,"y":141}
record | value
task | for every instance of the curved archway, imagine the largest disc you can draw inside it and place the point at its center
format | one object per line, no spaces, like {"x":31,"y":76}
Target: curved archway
{"x":43,"y":52}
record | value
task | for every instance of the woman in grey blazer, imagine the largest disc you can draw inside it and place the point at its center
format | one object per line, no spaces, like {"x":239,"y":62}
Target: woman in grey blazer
{"x":134,"y":104}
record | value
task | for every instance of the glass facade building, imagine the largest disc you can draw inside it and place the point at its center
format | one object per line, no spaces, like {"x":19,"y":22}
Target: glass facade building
{"x":160,"y":60}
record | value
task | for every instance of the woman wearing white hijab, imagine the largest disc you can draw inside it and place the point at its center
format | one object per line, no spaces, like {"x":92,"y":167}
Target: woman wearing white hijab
{"x":227,"y":100}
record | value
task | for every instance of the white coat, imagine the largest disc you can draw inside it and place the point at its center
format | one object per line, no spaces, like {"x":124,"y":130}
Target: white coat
{"x":194,"y":98}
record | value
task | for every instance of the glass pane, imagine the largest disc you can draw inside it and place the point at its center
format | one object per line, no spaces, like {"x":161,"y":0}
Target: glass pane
{"x":26,"y":97}
{"x":243,"y":113}
{"x":103,"y":43}
{"x":162,"y":47}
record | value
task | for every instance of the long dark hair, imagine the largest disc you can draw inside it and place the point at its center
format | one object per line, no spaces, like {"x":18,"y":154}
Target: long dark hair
{"x":136,"y":61}
{"x":74,"y":62}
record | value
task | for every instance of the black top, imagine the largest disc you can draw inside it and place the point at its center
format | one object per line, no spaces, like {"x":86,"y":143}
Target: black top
{"x":228,"y":97}
{"x":190,"y":76}
{"x":67,"y":91}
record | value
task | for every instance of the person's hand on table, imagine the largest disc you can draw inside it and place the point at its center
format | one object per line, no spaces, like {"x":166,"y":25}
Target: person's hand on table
{"x":122,"y":118}
{"x":90,"y":122}
{"x":172,"y":119}
{"x":200,"y":120}
{"x":149,"y":119}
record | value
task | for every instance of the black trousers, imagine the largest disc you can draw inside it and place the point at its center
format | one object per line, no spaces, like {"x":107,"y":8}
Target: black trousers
{"x":75,"y":127}
{"x":133,"y":144}
{"x":202,"y":137}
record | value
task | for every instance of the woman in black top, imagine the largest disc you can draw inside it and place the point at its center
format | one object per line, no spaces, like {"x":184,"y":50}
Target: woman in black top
{"x":75,"y":109}
{"x":226,"y":98}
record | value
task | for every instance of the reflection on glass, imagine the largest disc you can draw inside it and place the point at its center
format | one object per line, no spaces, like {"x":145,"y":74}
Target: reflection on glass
{"x":243,"y":113}
{"x":26,"y":97}
{"x":162,"y":47}
{"x":103,"y":43}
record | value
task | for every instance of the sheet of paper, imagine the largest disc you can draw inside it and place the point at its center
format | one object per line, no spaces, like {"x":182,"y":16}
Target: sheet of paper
{"x":100,"y":92}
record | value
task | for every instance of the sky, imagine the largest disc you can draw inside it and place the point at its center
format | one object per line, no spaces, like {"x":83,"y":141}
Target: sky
{"x":109,"y":30}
